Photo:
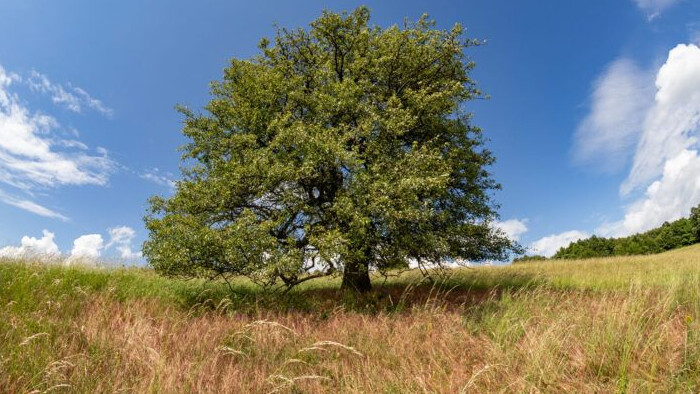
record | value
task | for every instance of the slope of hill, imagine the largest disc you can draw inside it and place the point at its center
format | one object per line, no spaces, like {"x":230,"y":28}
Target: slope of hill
{"x":611,"y":324}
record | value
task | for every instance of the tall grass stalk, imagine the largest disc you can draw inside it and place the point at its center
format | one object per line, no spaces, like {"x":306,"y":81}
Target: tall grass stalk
{"x":609,"y":325}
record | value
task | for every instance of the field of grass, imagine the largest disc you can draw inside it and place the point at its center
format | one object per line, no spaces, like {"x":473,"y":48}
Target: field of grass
{"x":609,"y":325}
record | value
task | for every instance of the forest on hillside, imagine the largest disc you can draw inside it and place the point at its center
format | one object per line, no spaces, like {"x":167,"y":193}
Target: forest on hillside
{"x":670,"y":235}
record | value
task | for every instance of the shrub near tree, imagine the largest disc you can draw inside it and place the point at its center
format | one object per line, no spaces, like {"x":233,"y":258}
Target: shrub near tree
{"x":340,"y":149}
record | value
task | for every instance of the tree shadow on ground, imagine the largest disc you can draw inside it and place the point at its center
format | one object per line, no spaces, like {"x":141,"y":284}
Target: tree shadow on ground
{"x":457,"y":293}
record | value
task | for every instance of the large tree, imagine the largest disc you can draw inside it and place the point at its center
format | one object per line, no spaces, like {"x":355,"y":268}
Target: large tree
{"x":343,"y":148}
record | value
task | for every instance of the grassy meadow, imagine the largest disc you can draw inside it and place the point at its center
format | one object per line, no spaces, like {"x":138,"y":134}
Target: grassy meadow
{"x":626,"y":324}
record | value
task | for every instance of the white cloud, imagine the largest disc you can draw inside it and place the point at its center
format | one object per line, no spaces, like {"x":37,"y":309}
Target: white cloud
{"x":30,"y":154}
{"x":43,"y":247}
{"x":121,"y":238}
{"x":666,"y":199}
{"x":665,"y":173}
{"x":33,"y":155}
{"x":88,"y":247}
{"x":620,"y":99}
{"x":513,"y":228}
{"x":666,"y":162}
{"x":72,"y":98}
{"x":156,"y":176}
{"x":654,"y":7}
{"x":30,"y":206}
{"x":549,"y":245}
{"x":672,"y":124}
{"x":6,"y":79}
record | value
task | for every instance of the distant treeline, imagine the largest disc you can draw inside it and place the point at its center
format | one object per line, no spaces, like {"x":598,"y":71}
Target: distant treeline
{"x":682,"y":232}
{"x":676,"y":234}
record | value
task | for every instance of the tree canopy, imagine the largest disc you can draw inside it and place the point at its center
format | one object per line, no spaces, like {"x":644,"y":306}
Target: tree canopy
{"x":338,"y":149}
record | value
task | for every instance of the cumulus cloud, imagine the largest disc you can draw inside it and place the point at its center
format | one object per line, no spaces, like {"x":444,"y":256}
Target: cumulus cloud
{"x":87,"y":247}
{"x":671,"y":125}
{"x":666,"y":162}
{"x":662,"y":137}
{"x":654,"y":7}
{"x":34,"y":156}
{"x":513,"y":228}
{"x":666,"y":199}
{"x":72,"y":98}
{"x":620,"y":99}
{"x":43,"y":247}
{"x":549,"y":245}
{"x":121,"y":239}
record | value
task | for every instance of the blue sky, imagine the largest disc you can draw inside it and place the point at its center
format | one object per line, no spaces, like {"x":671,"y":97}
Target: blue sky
{"x":593,"y":116}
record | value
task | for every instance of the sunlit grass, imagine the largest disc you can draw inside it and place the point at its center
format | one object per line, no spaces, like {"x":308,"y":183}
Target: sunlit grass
{"x":607,"y":325}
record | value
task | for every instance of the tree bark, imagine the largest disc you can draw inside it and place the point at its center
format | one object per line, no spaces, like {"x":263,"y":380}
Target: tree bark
{"x":356,"y":277}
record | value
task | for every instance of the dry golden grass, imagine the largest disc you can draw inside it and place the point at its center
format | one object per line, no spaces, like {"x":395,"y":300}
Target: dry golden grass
{"x":566,"y":332}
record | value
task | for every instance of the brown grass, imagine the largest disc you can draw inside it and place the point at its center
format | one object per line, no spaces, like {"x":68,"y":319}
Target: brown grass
{"x":552,"y":341}
{"x":400,"y":339}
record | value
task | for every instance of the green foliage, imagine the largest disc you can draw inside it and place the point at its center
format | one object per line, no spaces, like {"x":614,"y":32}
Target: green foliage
{"x":682,"y":232}
{"x":527,"y":259}
{"x":695,"y":221}
{"x":343,"y":148}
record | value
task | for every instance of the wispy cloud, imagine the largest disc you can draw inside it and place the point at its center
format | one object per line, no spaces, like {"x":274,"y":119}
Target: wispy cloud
{"x":693,"y":30}
{"x":33,"y":155}
{"x":30,"y":206}
{"x":619,"y":102}
{"x":653,"y":8}
{"x":156,"y":176}
{"x":72,"y":98}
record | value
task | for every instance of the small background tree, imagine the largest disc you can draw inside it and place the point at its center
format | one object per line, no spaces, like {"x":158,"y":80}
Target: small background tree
{"x":338,"y":149}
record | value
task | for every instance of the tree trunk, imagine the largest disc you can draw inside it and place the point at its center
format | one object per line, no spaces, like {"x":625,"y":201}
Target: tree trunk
{"x":356,"y":278}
